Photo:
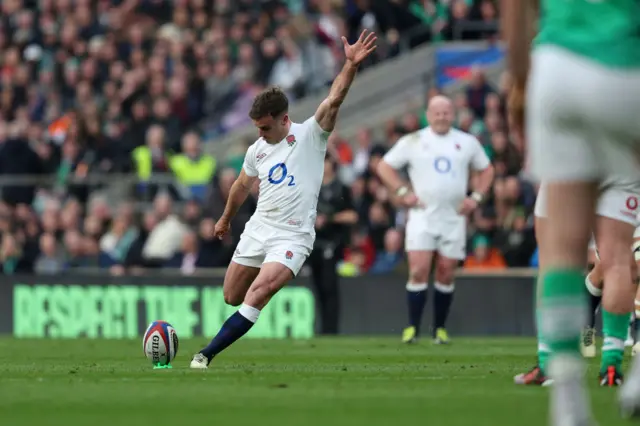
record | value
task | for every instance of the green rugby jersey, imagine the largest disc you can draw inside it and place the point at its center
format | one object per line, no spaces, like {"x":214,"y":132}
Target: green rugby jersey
{"x":605,"y":31}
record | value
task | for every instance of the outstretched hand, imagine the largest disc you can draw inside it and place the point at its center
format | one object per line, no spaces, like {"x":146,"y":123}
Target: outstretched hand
{"x":358,"y":51}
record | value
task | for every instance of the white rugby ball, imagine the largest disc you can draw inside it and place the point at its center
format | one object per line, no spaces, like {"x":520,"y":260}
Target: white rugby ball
{"x":160,"y":343}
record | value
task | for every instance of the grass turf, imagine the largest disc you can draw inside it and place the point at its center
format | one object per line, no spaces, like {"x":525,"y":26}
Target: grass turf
{"x":326,"y":381}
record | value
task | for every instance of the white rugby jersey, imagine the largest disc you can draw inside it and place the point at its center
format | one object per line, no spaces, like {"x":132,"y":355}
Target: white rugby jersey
{"x":290,"y":174}
{"x":438,"y":166}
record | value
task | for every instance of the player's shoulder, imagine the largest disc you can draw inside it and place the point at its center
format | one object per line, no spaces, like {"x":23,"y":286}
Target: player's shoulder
{"x":464,"y":137}
{"x":455,"y":132}
{"x":415,"y":137}
{"x":255,"y":146}
{"x":309,"y":126}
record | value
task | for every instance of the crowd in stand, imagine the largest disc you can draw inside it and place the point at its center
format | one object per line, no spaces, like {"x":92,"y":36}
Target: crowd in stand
{"x":92,"y":89}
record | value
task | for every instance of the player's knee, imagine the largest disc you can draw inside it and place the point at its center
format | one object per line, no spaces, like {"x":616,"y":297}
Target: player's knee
{"x":445,"y":272}
{"x":614,"y":257}
{"x":262,"y":290}
{"x":232,"y":298}
{"x":419,"y":274}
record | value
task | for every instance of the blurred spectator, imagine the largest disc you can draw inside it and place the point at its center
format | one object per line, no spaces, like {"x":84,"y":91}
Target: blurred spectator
{"x":165,"y":238}
{"x":116,"y":243}
{"x":151,"y":159}
{"x":190,"y":257}
{"x":134,"y":258}
{"x":50,"y":261}
{"x":363,"y":150}
{"x":515,"y":240}
{"x":11,"y":255}
{"x":477,"y":91}
{"x":388,"y":259}
{"x":193,"y":169}
{"x":484,"y":256}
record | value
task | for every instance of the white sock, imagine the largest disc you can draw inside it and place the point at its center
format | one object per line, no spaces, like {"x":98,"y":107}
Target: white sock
{"x":415,"y":288}
{"x":249,"y":312}
{"x":592,"y":289}
{"x":444,"y":288}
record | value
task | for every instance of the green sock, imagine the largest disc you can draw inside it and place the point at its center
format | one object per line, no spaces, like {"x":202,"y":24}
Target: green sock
{"x":543,"y":347}
{"x":614,"y":328}
{"x":543,"y":355}
{"x":563,"y":310}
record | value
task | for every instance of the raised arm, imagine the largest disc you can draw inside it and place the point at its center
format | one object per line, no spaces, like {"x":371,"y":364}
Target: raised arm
{"x":327,"y":112}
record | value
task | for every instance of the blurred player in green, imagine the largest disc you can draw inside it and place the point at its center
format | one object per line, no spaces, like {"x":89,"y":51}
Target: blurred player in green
{"x":582,"y":125}
{"x":616,"y":219}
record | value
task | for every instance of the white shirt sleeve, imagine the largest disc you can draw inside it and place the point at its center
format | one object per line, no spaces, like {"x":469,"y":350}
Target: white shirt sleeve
{"x":398,"y":156}
{"x":317,"y":134}
{"x":249,"y":164}
{"x":479,"y":158}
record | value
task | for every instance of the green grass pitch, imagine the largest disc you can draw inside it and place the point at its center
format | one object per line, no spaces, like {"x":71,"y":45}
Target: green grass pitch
{"x":325,"y":381}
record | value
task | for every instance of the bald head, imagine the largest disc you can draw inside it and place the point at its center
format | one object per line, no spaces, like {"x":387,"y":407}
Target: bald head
{"x":440,"y":101}
{"x":440,"y":114}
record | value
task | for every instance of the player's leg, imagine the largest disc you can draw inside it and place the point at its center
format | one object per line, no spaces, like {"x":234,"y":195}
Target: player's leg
{"x":420,"y":247}
{"x":278,"y":269}
{"x":614,"y":237}
{"x":272,"y":277}
{"x":631,"y":335}
{"x":417,"y":286}
{"x":630,"y":391}
{"x":243,"y":269}
{"x":444,"y":289}
{"x":561,"y":155}
{"x":636,"y":320}
{"x":237,"y":280}
{"x":451,"y":251}
{"x":593,"y":283}
{"x":244,"y":266}
{"x":536,"y":375}
{"x":563,"y":303}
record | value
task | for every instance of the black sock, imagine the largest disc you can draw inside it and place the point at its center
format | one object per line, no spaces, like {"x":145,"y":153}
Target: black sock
{"x":416,"y":300}
{"x":443,"y":299}
{"x":595,"y":298}
{"x":594,"y":305}
{"x":234,"y":328}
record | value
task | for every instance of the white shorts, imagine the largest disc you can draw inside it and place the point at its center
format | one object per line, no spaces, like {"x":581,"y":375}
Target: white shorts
{"x":448,"y":238}
{"x":261,"y":243}
{"x":617,"y":201}
{"x":582,"y":118}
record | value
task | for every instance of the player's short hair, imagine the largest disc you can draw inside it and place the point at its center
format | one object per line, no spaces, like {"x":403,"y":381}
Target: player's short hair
{"x":271,"y":101}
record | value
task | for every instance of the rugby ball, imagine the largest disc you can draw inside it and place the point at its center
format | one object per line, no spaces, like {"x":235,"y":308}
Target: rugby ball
{"x":160,"y":343}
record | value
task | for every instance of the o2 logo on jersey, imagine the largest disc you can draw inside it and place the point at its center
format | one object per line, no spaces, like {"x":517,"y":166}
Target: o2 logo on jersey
{"x":632,"y":202}
{"x":278,"y":173}
{"x":442,"y":164}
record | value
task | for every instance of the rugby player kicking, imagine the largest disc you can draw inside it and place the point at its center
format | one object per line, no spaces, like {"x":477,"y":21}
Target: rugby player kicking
{"x":288,"y":160}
